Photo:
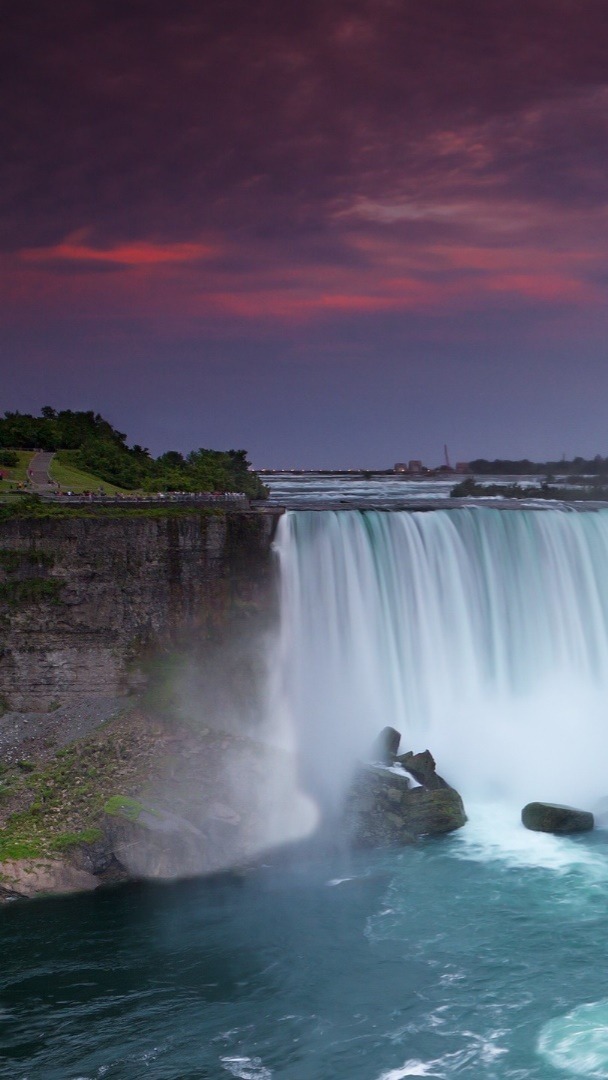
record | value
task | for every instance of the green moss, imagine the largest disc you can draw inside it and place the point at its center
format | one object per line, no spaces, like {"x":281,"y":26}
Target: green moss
{"x":32,"y":590}
{"x":71,"y":839}
{"x":8,"y":787}
{"x":124,"y":806}
{"x":19,"y":849}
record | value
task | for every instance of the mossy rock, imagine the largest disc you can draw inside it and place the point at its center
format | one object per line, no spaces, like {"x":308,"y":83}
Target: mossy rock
{"x":382,"y":809}
{"x":125,"y":807}
{"x":557,"y":819}
{"x":152,"y":843}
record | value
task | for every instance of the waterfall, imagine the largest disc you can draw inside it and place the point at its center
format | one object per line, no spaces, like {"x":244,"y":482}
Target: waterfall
{"x":479,"y":633}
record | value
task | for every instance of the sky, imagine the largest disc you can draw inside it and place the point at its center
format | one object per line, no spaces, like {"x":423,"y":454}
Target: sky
{"x":336,"y":234}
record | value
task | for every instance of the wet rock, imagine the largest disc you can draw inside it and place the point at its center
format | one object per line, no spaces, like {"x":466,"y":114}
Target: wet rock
{"x":153,"y":843}
{"x":33,"y":877}
{"x":94,"y":857}
{"x":422,"y":768}
{"x":385,"y":747}
{"x":383,"y":809}
{"x":437,"y":811}
{"x":553,"y":818}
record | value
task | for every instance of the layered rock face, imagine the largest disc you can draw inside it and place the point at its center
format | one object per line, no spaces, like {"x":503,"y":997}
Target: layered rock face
{"x":83,"y":599}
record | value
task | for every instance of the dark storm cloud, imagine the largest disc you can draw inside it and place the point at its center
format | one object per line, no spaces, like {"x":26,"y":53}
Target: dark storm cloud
{"x":152,"y":119}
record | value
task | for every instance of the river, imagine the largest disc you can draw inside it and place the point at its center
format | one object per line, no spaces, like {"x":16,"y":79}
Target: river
{"x":480,"y":633}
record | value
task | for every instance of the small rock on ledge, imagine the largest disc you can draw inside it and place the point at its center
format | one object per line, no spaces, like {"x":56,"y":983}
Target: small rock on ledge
{"x":553,"y":818}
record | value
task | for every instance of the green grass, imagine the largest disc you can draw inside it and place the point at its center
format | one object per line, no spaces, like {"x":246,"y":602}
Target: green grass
{"x":70,"y":839}
{"x":27,"y":847}
{"x":36,"y":508}
{"x":19,"y":849}
{"x":77,"y":480}
{"x":124,"y":806}
{"x":18,"y":475}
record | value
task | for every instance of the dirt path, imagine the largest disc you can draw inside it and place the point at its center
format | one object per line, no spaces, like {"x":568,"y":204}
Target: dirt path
{"x":38,"y":472}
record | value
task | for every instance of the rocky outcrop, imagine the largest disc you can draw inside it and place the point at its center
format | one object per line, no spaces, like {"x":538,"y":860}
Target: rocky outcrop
{"x":84,"y":601}
{"x":139,"y":798}
{"x":35,"y":877}
{"x":382,"y":806}
{"x":553,"y":818}
{"x":153,"y":843}
{"x":422,"y":768}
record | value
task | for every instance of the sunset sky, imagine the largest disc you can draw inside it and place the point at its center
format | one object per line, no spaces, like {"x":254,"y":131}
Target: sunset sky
{"x":333,"y":233}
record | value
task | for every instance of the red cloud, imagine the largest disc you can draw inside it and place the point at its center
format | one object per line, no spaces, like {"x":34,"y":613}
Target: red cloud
{"x":142,"y":253}
{"x":542,"y":286}
{"x":184,"y":282}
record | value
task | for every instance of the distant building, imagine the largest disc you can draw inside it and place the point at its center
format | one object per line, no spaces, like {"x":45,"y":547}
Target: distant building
{"x":415,"y":467}
{"x":463,"y":468}
{"x":401,"y":467}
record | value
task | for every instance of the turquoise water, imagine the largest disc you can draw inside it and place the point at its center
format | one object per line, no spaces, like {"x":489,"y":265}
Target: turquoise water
{"x":479,"y":633}
{"x":431,"y":962}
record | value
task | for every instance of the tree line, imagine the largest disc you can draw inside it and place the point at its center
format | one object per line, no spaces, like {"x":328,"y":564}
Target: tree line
{"x":89,"y":442}
{"x":578,"y":466}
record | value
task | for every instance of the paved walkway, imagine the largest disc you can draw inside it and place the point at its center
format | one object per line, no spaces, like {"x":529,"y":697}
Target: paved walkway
{"x":38,"y":473}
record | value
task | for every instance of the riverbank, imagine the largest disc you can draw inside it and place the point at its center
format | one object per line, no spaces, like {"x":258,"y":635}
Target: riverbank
{"x":133,"y":667}
{"x":142,"y":795}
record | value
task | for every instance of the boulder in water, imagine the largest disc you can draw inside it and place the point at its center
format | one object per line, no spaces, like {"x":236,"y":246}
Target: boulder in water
{"x":437,"y":811}
{"x":553,"y":818}
{"x":382,"y":808}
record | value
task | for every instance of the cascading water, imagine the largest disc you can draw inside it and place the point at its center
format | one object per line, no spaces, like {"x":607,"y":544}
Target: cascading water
{"x":480,"y":633}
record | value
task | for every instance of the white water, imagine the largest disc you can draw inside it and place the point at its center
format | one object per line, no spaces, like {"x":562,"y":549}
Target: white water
{"x":478,"y":633}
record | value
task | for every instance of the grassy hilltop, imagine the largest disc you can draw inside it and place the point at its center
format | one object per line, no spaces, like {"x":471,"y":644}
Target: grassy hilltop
{"x":90,"y":452}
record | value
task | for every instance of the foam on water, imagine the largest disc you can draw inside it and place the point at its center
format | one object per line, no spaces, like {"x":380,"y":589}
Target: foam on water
{"x":246,"y":1068}
{"x":410,"y":1068}
{"x":494,"y":832}
{"x":578,"y":1042}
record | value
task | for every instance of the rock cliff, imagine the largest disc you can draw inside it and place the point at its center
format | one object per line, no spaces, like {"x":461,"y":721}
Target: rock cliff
{"x":84,"y":600}
{"x":133,"y":668}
